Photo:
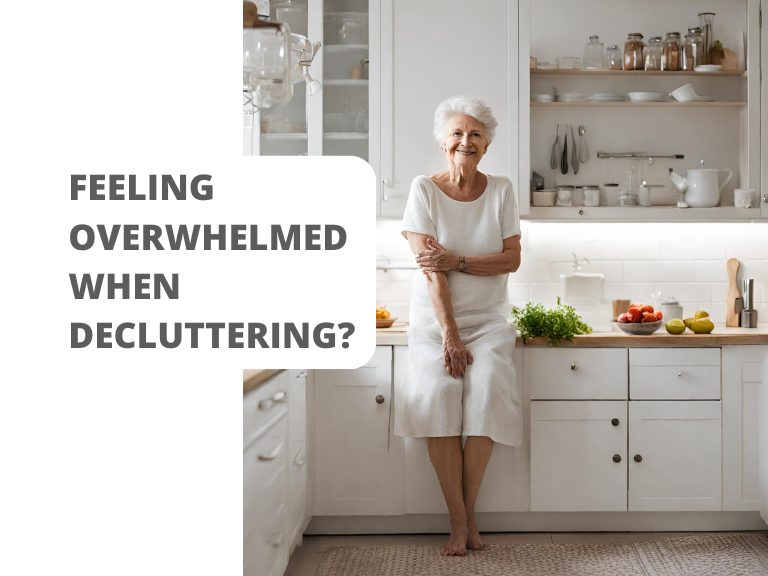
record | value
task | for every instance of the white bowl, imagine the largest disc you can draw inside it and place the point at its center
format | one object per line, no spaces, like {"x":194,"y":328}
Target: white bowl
{"x":685,"y":93}
{"x":543,"y":197}
{"x":646,"y":96}
{"x":547,"y":97}
{"x":639,"y":328}
{"x":708,"y":68}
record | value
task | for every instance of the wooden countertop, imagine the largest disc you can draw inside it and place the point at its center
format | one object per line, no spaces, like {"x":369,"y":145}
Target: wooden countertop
{"x":252,"y":379}
{"x":721,"y":336}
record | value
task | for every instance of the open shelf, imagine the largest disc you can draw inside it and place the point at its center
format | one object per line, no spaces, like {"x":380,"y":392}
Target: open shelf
{"x":346,"y":135}
{"x":571,"y":72}
{"x":346,"y":82}
{"x":339,"y":48}
{"x":720,"y":104}
{"x":278,"y":137}
{"x":644,"y":214}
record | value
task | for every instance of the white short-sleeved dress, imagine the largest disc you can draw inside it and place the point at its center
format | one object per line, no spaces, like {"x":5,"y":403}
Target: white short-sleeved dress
{"x":486,"y":401}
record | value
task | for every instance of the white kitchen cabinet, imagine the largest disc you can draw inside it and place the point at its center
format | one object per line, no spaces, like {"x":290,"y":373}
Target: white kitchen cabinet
{"x":743,"y":376}
{"x":576,"y":373}
{"x":578,"y":456}
{"x":297,"y":512}
{"x":358,"y":463}
{"x":505,"y":485}
{"x":674,"y":456}
{"x":433,"y":49}
{"x":674,"y":373}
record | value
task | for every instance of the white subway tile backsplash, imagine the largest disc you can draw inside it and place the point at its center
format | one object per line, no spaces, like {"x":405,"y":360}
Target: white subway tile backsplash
{"x":638,"y":291}
{"x":757,"y":269}
{"x":613,"y":271}
{"x":649,"y":271}
{"x":518,"y":291}
{"x":686,"y":291}
{"x":704,"y":248}
{"x":710,"y":271}
{"x":546,"y":293}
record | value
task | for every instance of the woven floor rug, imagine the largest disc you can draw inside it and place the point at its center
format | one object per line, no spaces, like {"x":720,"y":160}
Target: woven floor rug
{"x":695,"y":555}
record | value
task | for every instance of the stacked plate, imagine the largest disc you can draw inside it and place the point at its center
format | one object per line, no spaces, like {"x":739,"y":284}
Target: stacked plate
{"x":647,"y":97}
{"x":546,"y":97}
{"x":607,"y":97}
{"x":571,"y":97}
{"x":708,"y":68}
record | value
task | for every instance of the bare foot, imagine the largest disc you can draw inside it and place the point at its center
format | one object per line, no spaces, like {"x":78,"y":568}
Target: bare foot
{"x":457,"y":543}
{"x":474,"y":542}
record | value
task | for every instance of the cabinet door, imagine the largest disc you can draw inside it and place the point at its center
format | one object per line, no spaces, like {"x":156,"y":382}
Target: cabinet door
{"x":578,"y":456}
{"x":297,"y":453}
{"x":674,"y":456}
{"x":359,"y":465}
{"x":433,"y":49}
{"x":742,"y":378}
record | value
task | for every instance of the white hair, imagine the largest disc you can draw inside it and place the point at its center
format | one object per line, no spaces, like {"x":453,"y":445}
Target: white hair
{"x":466,"y":106}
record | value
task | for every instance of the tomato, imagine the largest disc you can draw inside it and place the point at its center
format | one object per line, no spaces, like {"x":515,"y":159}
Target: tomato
{"x":646,"y":308}
{"x":659,"y":315}
{"x":623,"y":318}
{"x":649,"y":317}
{"x":634,"y":315}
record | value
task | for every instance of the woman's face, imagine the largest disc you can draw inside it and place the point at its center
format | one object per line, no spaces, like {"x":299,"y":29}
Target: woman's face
{"x":466,"y":142}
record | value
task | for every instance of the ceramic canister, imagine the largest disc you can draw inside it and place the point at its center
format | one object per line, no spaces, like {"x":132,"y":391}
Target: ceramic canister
{"x":671,"y":308}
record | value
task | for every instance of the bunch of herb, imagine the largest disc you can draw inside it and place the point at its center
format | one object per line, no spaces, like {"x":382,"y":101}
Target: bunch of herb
{"x":556,"y":324}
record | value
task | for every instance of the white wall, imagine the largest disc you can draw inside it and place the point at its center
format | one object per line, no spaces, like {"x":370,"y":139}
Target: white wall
{"x":683,"y":260}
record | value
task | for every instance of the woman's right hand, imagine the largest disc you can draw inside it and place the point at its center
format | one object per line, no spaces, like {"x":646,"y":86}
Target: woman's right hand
{"x":456,"y":356}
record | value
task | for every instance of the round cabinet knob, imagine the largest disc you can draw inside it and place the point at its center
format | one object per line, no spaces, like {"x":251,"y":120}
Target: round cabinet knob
{"x":581,"y":212}
{"x":615,"y":421}
{"x":679,"y":373}
{"x":765,"y":198}
{"x":616,"y":458}
{"x":638,"y":458}
{"x":379,"y":399}
{"x":573,"y":366}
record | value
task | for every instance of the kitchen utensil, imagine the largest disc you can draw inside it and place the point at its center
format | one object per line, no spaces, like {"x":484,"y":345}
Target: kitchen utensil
{"x":733,"y":301}
{"x":685,"y":93}
{"x":583,"y":149}
{"x":640,"y":328}
{"x":564,"y":158}
{"x":701,"y":186}
{"x":554,"y":161}
{"x":574,"y":152}
{"x":671,"y":308}
{"x":543,"y":197}
{"x":742,"y":197}
{"x":748,"y":314}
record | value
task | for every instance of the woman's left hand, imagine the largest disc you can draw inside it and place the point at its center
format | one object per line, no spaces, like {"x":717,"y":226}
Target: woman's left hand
{"x":436,"y":258}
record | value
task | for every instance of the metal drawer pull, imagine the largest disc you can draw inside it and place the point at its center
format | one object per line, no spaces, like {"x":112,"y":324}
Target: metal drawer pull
{"x":573,"y":366}
{"x":272,"y":455}
{"x":679,"y":373}
{"x":302,"y":374}
{"x":279,"y":396}
{"x":379,"y":399}
{"x":638,"y":458}
{"x":266,"y":404}
{"x":615,"y":421}
{"x":616,"y":458}
{"x":299,"y":460}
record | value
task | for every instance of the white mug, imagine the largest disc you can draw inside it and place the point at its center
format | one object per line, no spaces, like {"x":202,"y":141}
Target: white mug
{"x":564,"y":194}
{"x":591,"y":197}
{"x":742,"y":197}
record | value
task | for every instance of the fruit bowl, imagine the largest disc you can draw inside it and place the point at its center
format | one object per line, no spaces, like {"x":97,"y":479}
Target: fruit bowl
{"x":640,"y":328}
{"x":385,"y":322}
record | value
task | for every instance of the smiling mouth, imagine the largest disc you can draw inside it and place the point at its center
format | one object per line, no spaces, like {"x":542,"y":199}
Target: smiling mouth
{"x":466,"y":152}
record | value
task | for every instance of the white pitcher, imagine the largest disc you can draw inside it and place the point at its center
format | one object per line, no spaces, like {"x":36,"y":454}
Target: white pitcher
{"x":701,"y":187}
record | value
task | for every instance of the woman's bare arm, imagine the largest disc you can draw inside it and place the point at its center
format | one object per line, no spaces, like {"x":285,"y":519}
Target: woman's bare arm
{"x":435,"y":258}
{"x":456,"y":355}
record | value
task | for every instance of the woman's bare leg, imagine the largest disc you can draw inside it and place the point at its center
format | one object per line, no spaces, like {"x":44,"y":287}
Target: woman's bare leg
{"x":445,"y":454}
{"x":477,"y":452}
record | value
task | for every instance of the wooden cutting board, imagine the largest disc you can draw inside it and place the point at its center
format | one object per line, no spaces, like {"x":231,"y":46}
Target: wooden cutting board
{"x":733,"y":302}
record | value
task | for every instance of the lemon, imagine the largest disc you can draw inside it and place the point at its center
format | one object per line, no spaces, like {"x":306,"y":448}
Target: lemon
{"x":700,"y":314}
{"x":688,"y":322}
{"x":675,"y":326}
{"x":702,"y":326}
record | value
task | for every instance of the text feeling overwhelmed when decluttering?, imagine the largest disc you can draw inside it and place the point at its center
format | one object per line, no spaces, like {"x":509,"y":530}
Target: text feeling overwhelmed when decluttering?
{"x":188,"y":238}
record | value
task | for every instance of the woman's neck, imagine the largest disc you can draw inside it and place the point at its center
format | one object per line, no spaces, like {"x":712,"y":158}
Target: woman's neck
{"x":464,"y":178}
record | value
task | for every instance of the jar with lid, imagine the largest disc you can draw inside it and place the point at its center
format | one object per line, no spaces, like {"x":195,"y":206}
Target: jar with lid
{"x":653,"y":53}
{"x":633,"y":52}
{"x":670,"y":58}
{"x":693,"y":49}
{"x":670,"y":308}
{"x":613,"y":57}
{"x":593,"y":54}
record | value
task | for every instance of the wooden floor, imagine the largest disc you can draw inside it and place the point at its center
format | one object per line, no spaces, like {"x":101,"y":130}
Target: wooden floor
{"x":306,"y":558}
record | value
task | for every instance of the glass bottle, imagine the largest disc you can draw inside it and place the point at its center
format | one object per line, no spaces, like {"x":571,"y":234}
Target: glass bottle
{"x":613,"y":57}
{"x":593,"y":54}
{"x":693,"y":53}
{"x":670,"y":58}
{"x":654,"y":53}
{"x":633,"y":52}
{"x":707,"y":21}
{"x":267,"y":63}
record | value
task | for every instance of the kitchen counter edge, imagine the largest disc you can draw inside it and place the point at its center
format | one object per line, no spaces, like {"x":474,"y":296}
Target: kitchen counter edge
{"x":252,"y":379}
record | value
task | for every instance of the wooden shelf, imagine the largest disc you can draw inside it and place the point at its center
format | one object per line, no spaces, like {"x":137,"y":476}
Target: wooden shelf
{"x":339,"y":48}
{"x":720,"y":104}
{"x":345,"y":136}
{"x":643,"y":214}
{"x":278,"y":137}
{"x":617,"y":73}
{"x":346,"y":82}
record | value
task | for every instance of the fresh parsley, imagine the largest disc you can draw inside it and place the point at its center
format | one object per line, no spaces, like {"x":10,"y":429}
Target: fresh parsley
{"x":557,"y":324}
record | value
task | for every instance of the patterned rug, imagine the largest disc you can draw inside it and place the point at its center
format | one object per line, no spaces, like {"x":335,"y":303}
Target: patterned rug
{"x":697,"y":555}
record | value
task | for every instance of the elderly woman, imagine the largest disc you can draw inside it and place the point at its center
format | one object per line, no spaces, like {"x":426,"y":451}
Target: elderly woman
{"x":464,"y":229}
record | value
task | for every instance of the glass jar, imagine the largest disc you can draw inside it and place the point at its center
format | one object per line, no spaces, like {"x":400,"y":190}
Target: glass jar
{"x":670,"y":58}
{"x":633,"y":52}
{"x":693,"y":51}
{"x":653,"y":53}
{"x":294,"y":14}
{"x":267,"y":63}
{"x":613,"y":57}
{"x":593,"y":54}
{"x":707,"y":21}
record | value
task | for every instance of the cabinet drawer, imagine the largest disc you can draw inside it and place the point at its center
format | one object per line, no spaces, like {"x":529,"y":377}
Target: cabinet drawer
{"x":674,"y":373}
{"x":576,"y":373}
{"x":263,"y":406}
